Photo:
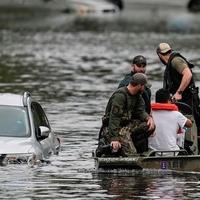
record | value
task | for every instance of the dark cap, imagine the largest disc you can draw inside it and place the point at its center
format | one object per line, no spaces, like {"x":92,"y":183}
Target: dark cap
{"x":139,"y":78}
{"x":139,"y":60}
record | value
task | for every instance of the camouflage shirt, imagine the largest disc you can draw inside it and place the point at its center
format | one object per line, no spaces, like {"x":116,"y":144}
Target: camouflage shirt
{"x":122,"y":108}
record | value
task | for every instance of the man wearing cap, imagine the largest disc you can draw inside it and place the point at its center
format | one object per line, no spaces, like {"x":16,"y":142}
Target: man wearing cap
{"x":138,"y":66}
{"x":178,"y":79}
{"x":123,"y":116}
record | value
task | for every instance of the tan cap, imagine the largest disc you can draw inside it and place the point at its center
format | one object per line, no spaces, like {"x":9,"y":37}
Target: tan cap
{"x":139,"y":78}
{"x":163,"y":48}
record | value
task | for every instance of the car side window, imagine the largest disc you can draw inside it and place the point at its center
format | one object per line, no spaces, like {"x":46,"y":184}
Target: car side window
{"x":39,"y":118}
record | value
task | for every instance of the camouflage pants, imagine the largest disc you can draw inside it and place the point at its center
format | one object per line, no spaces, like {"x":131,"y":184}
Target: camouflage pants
{"x":133,"y":138}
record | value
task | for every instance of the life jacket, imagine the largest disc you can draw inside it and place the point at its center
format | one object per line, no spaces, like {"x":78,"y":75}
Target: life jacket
{"x":172,"y":78}
{"x":164,"y":106}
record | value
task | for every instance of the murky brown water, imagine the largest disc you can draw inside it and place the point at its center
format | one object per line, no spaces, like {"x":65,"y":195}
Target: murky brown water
{"x":72,"y":67}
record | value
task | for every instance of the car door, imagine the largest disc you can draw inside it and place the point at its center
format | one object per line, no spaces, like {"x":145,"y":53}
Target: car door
{"x":40,"y":119}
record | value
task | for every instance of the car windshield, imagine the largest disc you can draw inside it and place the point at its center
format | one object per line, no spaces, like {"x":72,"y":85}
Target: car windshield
{"x":13,"y":122}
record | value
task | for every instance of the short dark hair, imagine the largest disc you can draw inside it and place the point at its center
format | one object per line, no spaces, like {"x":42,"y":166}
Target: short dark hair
{"x":138,"y":78}
{"x":162,"y":95}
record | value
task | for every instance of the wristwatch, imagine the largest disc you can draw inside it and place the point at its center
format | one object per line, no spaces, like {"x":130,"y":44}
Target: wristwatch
{"x":180,"y":92}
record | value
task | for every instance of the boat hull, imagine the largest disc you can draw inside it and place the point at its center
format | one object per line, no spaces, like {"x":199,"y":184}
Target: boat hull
{"x":178,"y":163}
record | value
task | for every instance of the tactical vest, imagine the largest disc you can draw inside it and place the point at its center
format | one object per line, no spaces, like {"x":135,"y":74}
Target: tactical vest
{"x":172,"y":78}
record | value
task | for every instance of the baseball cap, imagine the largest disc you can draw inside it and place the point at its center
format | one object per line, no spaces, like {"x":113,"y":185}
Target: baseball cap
{"x":139,"y":78}
{"x":139,"y":60}
{"x":163,"y":48}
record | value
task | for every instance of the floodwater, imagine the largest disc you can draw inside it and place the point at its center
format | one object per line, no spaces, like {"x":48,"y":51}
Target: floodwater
{"x":72,"y":64}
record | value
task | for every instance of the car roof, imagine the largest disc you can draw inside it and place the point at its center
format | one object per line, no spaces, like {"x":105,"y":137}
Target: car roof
{"x":11,"y":99}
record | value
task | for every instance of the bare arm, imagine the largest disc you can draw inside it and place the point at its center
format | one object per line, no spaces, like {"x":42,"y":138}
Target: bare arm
{"x":150,"y":123}
{"x":188,"y":123}
{"x":187,"y":76}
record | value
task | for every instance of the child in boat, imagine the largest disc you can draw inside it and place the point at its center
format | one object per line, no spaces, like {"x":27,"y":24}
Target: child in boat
{"x":168,"y":121}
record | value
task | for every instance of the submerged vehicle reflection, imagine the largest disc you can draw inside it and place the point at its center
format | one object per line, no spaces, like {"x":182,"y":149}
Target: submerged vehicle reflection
{"x":25,"y":132}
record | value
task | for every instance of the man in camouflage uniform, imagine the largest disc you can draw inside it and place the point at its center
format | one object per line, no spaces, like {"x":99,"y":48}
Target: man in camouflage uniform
{"x":126,"y":125}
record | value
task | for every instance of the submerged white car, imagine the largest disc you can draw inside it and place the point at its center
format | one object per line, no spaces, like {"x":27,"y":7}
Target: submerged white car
{"x":25,"y":132}
{"x":92,"y":6}
{"x":77,"y":6}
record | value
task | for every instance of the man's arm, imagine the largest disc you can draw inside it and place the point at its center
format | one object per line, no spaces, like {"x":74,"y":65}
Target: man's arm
{"x":118,"y":103}
{"x":187,"y":76}
{"x":144,"y":116}
{"x":139,"y":110}
{"x":183,"y":120}
{"x":150,"y":123}
{"x":182,"y":68}
{"x":116,"y":113}
{"x":188,"y":123}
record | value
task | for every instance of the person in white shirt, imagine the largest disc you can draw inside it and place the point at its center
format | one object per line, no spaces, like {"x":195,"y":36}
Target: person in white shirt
{"x":168,"y":121}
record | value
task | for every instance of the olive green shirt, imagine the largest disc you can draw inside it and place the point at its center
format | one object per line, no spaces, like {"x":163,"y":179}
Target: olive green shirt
{"x":179,"y":64}
{"x":124,"y":106}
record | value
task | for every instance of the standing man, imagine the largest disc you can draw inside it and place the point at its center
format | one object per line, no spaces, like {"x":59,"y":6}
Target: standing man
{"x":123,"y":126}
{"x":178,"y":79}
{"x":139,"y":66}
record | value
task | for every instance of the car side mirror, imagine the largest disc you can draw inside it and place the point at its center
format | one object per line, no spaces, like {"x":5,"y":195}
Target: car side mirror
{"x":44,"y":131}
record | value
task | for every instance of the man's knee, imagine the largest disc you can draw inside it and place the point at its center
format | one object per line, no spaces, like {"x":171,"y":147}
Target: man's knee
{"x":140,"y":136}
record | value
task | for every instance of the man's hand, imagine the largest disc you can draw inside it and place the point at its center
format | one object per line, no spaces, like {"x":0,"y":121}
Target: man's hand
{"x":116,"y":145}
{"x":150,"y":123}
{"x":177,"y":96}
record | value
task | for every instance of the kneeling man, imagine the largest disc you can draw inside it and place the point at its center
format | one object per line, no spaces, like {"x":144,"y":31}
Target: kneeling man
{"x":126,"y":125}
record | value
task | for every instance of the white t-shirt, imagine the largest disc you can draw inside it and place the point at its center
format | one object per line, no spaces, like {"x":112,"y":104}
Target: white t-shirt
{"x":167,"y":124}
